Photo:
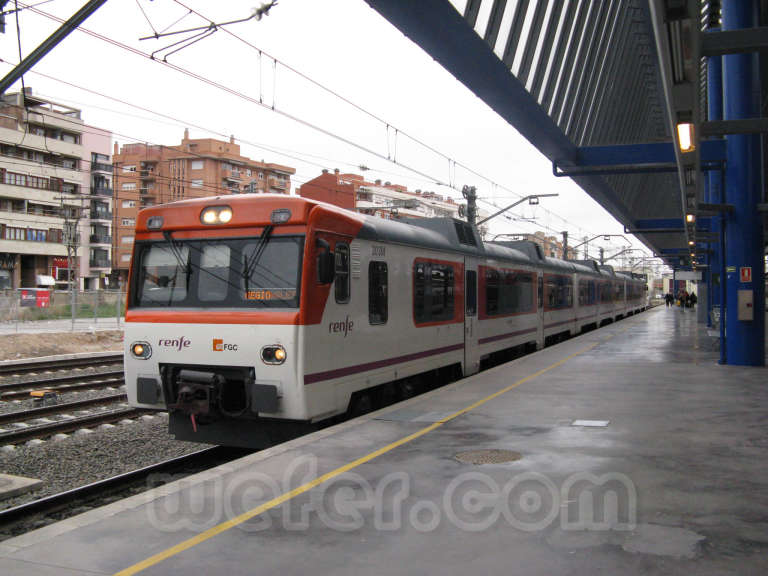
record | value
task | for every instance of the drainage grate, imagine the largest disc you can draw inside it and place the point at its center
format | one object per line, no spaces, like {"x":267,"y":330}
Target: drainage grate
{"x":489,"y":456}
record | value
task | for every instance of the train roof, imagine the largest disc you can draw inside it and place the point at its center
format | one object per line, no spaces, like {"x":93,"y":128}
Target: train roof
{"x":535,"y":254}
{"x":436,"y":233}
{"x":607,"y":270}
{"x":591,"y":264}
{"x":448,"y":234}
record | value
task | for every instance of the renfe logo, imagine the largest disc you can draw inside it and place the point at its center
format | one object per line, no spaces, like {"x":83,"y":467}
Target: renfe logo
{"x":344,"y":326}
{"x":177,"y":343}
{"x":220,"y":346}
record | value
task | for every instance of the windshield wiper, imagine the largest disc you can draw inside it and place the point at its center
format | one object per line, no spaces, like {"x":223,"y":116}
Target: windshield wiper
{"x":176,"y":251}
{"x":250,"y":263}
{"x":185,"y":266}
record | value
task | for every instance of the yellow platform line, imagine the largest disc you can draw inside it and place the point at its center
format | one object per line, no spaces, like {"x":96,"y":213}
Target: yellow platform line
{"x":231,"y":523}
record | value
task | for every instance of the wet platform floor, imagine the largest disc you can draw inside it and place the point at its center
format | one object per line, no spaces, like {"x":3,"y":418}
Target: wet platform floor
{"x":668,"y":474}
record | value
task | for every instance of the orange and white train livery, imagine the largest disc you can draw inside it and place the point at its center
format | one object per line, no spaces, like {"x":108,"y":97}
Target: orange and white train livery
{"x":251,"y":318}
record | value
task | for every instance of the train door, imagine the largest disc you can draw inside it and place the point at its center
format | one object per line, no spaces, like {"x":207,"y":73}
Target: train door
{"x":540,"y":311}
{"x":471,"y":336}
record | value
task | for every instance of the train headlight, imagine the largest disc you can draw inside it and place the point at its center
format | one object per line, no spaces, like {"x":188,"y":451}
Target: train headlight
{"x":154,"y":222}
{"x":274,"y":354}
{"x":141,"y":350}
{"x":216,"y":215}
{"x":209,"y":217}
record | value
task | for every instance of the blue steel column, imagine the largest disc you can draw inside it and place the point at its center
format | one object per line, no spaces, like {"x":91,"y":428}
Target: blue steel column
{"x":715,"y":112}
{"x":744,"y":233}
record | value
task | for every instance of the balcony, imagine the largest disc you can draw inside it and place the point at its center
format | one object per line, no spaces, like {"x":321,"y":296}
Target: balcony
{"x":100,"y":263}
{"x":101,"y":191}
{"x":100,"y":167}
{"x":100,"y":239}
{"x":101,"y":215}
{"x":147,"y":174}
{"x":275,"y":183}
{"x":410,"y":203}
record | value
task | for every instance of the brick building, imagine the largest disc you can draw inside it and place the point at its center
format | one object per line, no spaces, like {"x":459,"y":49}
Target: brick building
{"x":154,"y":174}
{"x":553,"y":248}
{"x":386,"y":200}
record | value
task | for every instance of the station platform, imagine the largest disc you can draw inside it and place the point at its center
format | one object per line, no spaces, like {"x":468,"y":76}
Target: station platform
{"x":626,"y":450}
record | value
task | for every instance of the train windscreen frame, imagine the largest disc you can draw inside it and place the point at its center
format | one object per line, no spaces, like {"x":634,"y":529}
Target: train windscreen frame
{"x":236,"y":272}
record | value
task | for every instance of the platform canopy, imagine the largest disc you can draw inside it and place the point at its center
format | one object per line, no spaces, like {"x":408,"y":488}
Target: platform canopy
{"x":598,"y":87}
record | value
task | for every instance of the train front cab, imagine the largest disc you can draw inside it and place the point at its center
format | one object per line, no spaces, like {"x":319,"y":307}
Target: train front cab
{"x":216,"y":314}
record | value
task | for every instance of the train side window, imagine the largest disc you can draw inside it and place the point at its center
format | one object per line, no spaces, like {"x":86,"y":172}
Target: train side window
{"x":419,"y":291}
{"x":559,"y":292}
{"x":341,"y":281}
{"x":378,"y":292}
{"x":471,"y":292}
{"x":441,"y":285}
{"x":433,"y":292}
{"x":491,"y":292}
{"x":541,"y":292}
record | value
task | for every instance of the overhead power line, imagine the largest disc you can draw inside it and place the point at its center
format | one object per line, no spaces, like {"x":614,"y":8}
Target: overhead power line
{"x":435,"y":180}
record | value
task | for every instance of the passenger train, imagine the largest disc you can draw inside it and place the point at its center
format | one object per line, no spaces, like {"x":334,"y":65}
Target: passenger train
{"x":252,"y":318}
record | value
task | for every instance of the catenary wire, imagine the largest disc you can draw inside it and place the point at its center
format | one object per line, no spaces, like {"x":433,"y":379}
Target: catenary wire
{"x":299,"y":120}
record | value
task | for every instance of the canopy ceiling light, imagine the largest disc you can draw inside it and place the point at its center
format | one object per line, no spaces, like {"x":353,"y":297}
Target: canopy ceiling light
{"x":685,"y":137}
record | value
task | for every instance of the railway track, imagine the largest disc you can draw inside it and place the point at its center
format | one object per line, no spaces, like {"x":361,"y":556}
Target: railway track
{"x":17,"y":390}
{"x":46,"y":430}
{"x":19,"y":519}
{"x":16,"y":368}
{"x":33,"y":413}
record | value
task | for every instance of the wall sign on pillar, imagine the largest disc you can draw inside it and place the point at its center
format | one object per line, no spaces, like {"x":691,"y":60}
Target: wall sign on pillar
{"x":746,"y":273}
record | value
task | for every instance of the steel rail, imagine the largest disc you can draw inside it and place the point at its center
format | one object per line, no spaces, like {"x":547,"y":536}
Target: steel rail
{"x":55,"y":502}
{"x":64,"y":426}
{"x":23,"y":415}
{"x":8,"y":368}
{"x":52,"y":381}
{"x":88,"y":385}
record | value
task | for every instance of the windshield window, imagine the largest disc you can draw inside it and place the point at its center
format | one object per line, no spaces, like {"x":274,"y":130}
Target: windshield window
{"x":222,"y":273}
{"x":164,"y":279}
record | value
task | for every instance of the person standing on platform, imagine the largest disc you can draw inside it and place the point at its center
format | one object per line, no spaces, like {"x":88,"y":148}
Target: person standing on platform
{"x":693,"y":299}
{"x":668,"y":298}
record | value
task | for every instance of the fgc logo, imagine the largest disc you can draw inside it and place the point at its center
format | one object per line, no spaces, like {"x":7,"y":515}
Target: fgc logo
{"x":220,"y":346}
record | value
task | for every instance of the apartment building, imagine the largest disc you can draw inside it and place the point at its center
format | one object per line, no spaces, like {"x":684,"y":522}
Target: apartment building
{"x":145,"y":175}
{"x":97,"y":267}
{"x":45,"y":193}
{"x":385,"y":200}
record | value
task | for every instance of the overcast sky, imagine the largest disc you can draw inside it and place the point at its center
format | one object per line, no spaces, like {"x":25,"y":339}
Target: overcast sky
{"x":345,"y":46}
